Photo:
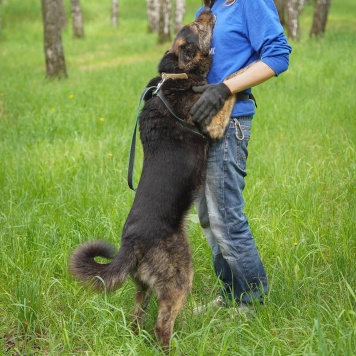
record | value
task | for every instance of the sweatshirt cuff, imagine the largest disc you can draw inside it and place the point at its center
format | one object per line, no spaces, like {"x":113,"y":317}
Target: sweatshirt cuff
{"x":278,"y":64}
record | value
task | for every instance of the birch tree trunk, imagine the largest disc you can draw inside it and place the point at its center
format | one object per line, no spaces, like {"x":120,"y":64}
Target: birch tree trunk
{"x":115,"y":13}
{"x":77,"y":19}
{"x":152,"y":7}
{"x":294,"y":8}
{"x":54,"y":55}
{"x":179,"y":12}
{"x":164,"y":20}
{"x":321,"y":11}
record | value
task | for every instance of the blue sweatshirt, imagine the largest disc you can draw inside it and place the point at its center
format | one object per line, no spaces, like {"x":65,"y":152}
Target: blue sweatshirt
{"x":246,"y":31}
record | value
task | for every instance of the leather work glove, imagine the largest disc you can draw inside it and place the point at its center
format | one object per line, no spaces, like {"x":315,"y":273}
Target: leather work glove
{"x":212,"y":100}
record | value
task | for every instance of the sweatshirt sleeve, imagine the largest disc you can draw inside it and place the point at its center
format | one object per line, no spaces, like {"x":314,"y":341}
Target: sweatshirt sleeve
{"x":265,"y":32}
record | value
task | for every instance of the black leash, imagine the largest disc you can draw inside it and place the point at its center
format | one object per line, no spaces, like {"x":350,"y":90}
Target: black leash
{"x":131,"y":168}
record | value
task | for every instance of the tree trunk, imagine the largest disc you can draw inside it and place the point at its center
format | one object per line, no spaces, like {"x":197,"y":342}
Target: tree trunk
{"x":179,"y":12}
{"x":281,"y":8}
{"x":321,"y":12}
{"x":294,"y":8}
{"x":115,"y":13}
{"x":54,"y":55}
{"x":77,"y":19}
{"x":164,"y":19}
{"x":152,"y":7}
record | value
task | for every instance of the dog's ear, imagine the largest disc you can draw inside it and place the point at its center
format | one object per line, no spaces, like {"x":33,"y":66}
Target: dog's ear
{"x":186,"y":54}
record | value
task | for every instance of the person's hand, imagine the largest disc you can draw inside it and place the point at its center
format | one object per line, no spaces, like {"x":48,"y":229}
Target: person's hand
{"x":212,"y":100}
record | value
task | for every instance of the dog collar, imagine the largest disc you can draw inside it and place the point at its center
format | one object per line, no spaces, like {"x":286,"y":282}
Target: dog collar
{"x":166,"y":76}
{"x":174,"y":76}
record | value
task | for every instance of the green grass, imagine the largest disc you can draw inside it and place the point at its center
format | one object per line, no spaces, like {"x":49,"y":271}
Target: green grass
{"x":63,"y":181}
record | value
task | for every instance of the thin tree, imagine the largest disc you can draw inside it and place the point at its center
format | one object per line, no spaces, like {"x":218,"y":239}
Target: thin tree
{"x":115,"y":13}
{"x":152,"y":8}
{"x":77,"y":19}
{"x":294,"y":8}
{"x":159,"y":17}
{"x":179,"y":12}
{"x":321,"y":11}
{"x":54,"y":54}
{"x":164,"y":20}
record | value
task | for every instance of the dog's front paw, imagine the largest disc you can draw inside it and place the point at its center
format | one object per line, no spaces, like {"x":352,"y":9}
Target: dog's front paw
{"x":215,"y":130}
{"x":217,"y":126}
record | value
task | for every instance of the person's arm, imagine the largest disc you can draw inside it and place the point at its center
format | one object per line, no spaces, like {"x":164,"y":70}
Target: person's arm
{"x":214,"y":95}
{"x":255,"y":74}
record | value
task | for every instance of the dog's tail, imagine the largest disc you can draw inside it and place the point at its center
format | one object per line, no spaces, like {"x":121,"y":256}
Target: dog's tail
{"x":109,"y":276}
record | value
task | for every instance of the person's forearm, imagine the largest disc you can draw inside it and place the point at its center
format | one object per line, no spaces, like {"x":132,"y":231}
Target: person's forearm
{"x":255,"y":74}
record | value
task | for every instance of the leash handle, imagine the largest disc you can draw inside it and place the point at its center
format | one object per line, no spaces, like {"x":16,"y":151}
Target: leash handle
{"x":131,"y":167}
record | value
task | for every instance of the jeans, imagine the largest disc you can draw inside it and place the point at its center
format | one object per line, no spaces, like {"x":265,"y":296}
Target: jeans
{"x":220,"y":209}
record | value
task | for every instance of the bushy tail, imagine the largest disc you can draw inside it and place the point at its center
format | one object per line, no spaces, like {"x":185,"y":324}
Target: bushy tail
{"x":110,"y":276}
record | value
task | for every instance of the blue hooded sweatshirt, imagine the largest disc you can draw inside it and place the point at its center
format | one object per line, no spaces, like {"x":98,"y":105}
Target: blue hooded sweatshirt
{"x":246,"y":31}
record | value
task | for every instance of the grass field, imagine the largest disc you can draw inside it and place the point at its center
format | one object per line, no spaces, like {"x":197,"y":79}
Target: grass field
{"x":64,"y":152}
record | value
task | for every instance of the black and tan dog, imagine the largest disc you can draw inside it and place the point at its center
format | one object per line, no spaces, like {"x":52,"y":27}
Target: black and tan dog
{"x":154,"y":247}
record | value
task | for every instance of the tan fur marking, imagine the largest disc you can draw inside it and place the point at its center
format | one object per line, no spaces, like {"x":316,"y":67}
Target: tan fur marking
{"x":218,"y":124}
{"x":176,"y":44}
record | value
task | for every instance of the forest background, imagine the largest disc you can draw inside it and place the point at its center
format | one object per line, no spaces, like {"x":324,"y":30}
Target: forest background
{"x":64,"y":152}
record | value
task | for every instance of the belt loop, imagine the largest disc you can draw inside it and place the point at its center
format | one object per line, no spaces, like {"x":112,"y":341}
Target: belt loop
{"x":237,"y":127}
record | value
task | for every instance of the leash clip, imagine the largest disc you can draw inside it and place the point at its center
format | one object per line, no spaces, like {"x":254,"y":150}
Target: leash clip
{"x":159,"y":86}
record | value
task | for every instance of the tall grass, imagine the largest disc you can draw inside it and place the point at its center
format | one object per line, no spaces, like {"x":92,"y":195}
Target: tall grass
{"x":64,"y":150}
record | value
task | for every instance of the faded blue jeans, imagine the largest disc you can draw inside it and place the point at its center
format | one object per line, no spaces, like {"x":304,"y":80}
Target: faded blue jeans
{"x":220,"y":210}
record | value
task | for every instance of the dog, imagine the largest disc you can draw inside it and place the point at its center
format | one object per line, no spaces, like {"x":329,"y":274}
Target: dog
{"x":154,"y":247}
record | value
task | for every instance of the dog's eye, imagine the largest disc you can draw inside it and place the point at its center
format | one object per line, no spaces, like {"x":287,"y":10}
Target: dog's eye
{"x":189,"y":53}
{"x":187,"y":57}
{"x":190,"y":49}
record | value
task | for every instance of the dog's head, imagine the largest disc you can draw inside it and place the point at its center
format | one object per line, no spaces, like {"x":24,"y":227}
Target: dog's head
{"x":189,"y":52}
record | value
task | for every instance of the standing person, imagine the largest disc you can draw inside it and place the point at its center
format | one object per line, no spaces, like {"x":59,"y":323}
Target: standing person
{"x":247,"y":33}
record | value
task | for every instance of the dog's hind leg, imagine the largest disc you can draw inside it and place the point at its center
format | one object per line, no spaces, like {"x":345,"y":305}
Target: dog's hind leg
{"x":168,"y":308}
{"x":142,"y":297}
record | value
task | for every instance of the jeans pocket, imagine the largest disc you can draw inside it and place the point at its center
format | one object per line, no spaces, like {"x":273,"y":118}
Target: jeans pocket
{"x":242,"y":133}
